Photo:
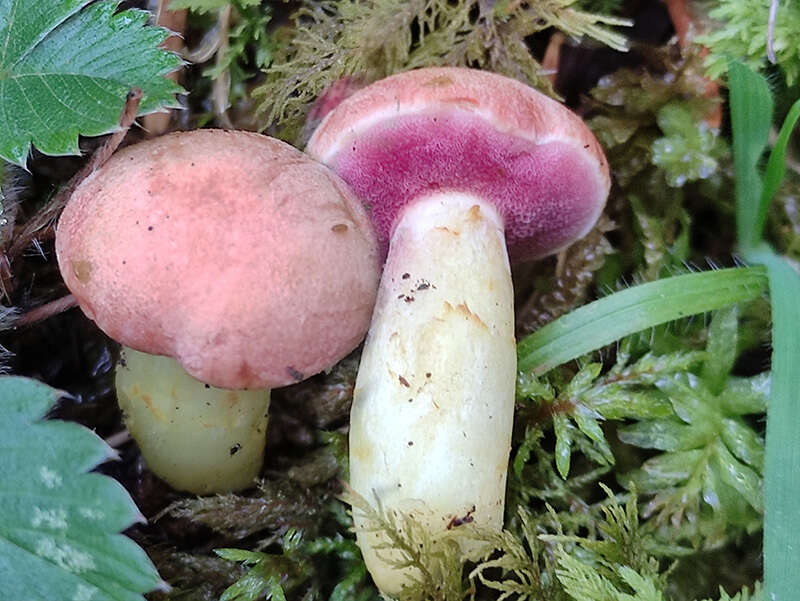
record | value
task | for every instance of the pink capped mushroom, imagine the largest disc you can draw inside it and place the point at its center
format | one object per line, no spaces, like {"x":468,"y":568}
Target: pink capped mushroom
{"x":455,"y":166}
{"x":250,"y":264}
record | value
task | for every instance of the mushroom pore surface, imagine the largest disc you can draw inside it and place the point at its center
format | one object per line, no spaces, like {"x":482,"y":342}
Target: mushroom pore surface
{"x":474,"y":132}
{"x":248,"y":262}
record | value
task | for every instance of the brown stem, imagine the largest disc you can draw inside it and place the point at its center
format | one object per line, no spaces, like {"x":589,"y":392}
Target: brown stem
{"x":46,"y":310}
{"x":222,"y":84}
{"x":552,"y":56}
{"x":681,"y":20}
{"x":773,"y":13}
{"x":118,"y":439}
{"x":156,"y":124}
{"x":48,"y":214}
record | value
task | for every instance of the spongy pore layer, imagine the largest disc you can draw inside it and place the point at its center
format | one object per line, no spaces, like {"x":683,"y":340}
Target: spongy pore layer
{"x":453,"y":129}
{"x":546,"y":192}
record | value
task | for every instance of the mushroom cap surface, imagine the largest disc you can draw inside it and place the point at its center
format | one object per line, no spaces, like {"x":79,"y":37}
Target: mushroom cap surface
{"x":236,"y":254}
{"x":447,"y":128}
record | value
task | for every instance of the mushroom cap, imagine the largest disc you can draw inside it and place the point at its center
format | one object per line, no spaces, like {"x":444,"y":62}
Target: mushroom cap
{"x":446,"y":128}
{"x":236,"y":254}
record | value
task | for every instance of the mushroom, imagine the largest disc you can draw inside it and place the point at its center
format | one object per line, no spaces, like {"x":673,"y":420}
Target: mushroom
{"x":454,"y":165}
{"x":250,"y":264}
{"x":195,"y":436}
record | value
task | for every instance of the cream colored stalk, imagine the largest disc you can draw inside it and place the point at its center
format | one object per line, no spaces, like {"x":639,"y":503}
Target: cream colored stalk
{"x":433,"y":408}
{"x":197,"y":437}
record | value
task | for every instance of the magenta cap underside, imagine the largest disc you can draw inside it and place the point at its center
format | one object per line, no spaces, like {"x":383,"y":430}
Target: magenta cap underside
{"x":548,"y":193}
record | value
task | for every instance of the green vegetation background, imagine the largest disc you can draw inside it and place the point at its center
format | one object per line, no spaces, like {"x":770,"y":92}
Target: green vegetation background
{"x":639,"y":469}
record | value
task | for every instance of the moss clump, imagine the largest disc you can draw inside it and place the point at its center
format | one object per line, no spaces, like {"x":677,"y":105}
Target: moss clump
{"x":365,"y":41}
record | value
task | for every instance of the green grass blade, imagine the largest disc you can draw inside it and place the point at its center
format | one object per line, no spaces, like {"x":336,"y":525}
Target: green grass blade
{"x":751,"y":116}
{"x":749,"y":111}
{"x":776,"y":168}
{"x":782,"y":463}
{"x":604,"y":321}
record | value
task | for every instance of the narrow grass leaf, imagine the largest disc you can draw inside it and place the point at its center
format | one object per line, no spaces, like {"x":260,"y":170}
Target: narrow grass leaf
{"x":776,"y":167}
{"x":604,"y":321}
{"x":782,"y":453}
{"x":751,"y":117}
{"x":782,"y":462}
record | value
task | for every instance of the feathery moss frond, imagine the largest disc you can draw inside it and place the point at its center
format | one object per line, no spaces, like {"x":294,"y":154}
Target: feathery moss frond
{"x":711,"y":466}
{"x":741,"y":30}
{"x":527,"y":572}
{"x":743,"y":595}
{"x":587,"y":399}
{"x":434,"y":562}
{"x":365,"y":41}
{"x":614,"y":565}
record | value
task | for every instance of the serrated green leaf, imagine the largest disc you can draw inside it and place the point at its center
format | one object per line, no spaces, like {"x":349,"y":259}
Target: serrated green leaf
{"x":589,"y":426}
{"x":659,"y":434}
{"x":735,"y":509}
{"x":531,"y":387}
{"x":713,"y":490}
{"x":617,"y":401}
{"x":66,"y":68}
{"x":59,"y":525}
{"x":670,"y":363}
{"x":691,"y":400}
{"x":587,"y":422}
{"x":583,"y":379}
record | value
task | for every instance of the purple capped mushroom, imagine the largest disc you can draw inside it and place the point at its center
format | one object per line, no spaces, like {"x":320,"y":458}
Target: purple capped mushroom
{"x":460,"y":169}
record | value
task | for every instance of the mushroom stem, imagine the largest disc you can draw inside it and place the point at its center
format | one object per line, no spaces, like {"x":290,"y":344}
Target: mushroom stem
{"x":194,"y":436}
{"x":433,"y":405}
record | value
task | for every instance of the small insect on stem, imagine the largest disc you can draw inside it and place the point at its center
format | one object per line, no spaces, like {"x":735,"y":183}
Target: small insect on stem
{"x":467,"y":519}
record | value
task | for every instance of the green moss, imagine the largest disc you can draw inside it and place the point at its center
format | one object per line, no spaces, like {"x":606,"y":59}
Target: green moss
{"x":740,"y":28}
{"x":365,"y":41}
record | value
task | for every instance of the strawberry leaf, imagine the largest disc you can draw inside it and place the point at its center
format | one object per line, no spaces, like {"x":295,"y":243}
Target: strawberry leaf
{"x":59,"y":525}
{"x":65,"y":69}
